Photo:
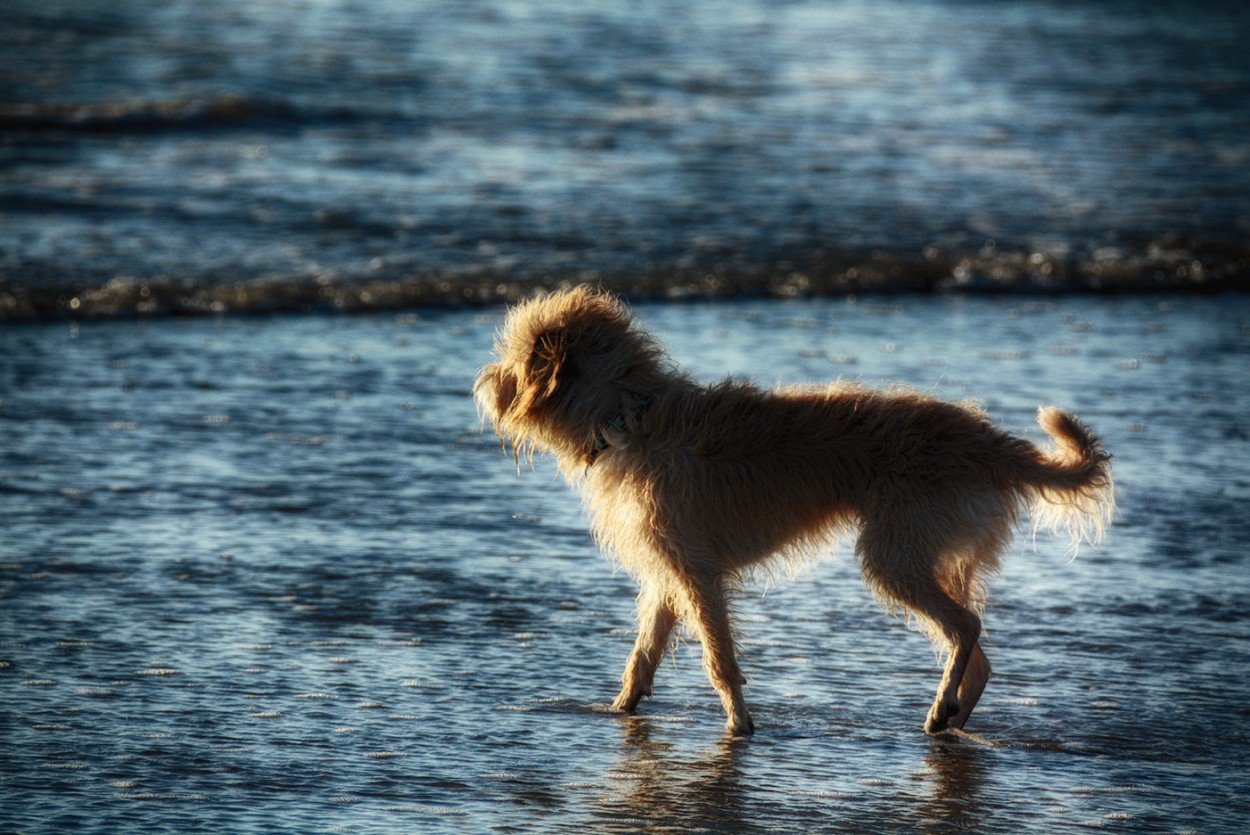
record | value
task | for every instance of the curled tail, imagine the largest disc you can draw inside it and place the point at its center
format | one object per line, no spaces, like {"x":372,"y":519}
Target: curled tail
{"x":1071,"y":489}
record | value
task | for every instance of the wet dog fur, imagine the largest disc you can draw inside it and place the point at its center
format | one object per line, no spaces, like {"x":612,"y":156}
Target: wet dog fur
{"x":692,"y":486}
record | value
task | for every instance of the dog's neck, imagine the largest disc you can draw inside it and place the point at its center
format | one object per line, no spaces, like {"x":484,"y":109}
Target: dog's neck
{"x":618,"y":424}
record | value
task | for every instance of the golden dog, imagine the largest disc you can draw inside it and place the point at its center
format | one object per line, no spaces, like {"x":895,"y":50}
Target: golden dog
{"x":689,"y":486}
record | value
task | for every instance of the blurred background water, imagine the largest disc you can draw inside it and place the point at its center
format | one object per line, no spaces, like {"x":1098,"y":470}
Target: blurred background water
{"x":181,"y":156}
{"x":266,"y":573}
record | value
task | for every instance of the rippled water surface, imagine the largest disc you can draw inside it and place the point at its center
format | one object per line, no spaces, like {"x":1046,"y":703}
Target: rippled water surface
{"x":237,"y":155}
{"x":264,"y":574}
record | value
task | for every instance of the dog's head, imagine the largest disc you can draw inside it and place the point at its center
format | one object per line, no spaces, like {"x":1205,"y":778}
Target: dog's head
{"x":568,"y":363}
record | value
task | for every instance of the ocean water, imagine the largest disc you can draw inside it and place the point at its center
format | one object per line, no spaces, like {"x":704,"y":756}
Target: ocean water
{"x":190,"y":157}
{"x":268,"y":574}
{"x":264,"y":572}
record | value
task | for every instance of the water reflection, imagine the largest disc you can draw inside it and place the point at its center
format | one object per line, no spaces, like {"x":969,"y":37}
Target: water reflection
{"x":663,"y":789}
{"x":729,"y":785}
{"x":956,"y":778}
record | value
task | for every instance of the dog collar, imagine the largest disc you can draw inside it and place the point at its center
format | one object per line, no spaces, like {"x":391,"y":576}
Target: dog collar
{"x":616,"y":423}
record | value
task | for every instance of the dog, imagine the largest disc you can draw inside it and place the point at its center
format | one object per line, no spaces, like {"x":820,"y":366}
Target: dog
{"x":691,"y":486}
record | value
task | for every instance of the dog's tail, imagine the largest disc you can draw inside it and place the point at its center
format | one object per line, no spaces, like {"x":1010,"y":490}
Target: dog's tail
{"x":1071,"y":488}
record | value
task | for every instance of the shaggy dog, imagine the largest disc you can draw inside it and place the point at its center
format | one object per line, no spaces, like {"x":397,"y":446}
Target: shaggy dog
{"x":690,"y":486}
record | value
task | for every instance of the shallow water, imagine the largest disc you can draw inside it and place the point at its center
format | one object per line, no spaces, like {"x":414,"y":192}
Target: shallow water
{"x":232,"y":155}
{"x":267,"y":573}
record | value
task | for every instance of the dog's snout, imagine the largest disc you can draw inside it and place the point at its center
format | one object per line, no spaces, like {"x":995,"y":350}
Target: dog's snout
{"x":505,"y":390}
{"x":495,"y":391}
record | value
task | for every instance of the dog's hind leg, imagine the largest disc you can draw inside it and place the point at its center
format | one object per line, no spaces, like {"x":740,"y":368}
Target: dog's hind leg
{"x":656,"y":619}
{"x":961,"y":582}
{"x":902,"y":568}
{"x":961,"y":629}
{"x":972,"y":685}
{"x":709,"y":612}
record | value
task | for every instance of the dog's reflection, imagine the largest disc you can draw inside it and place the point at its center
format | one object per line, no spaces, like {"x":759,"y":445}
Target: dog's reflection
{"x":956,"y":777}
{"x":657,"y":787}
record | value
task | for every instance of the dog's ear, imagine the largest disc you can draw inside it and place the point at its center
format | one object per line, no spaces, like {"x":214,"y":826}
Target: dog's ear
{"x":549,"y":369}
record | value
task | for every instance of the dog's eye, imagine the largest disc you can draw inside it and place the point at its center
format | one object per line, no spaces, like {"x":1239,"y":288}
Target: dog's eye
{"x":549,"y":368}
{"x":548,"y":350}
{"x":547,"y":356}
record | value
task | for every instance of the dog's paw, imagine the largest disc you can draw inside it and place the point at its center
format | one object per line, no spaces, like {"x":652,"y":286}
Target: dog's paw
{"x":741,"y":725}
{"x":627,"y":700}
{"x":940,"y":715}
{"x":625,"y":703}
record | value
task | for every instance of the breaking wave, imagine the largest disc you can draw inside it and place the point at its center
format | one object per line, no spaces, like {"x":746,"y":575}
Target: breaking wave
{"x":1163,"y":266}
{"x":119,"y":117}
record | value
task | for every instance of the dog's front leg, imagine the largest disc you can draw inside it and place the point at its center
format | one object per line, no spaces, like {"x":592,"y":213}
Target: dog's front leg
{"x":656,"y":619}
{"x":710,"y":613}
